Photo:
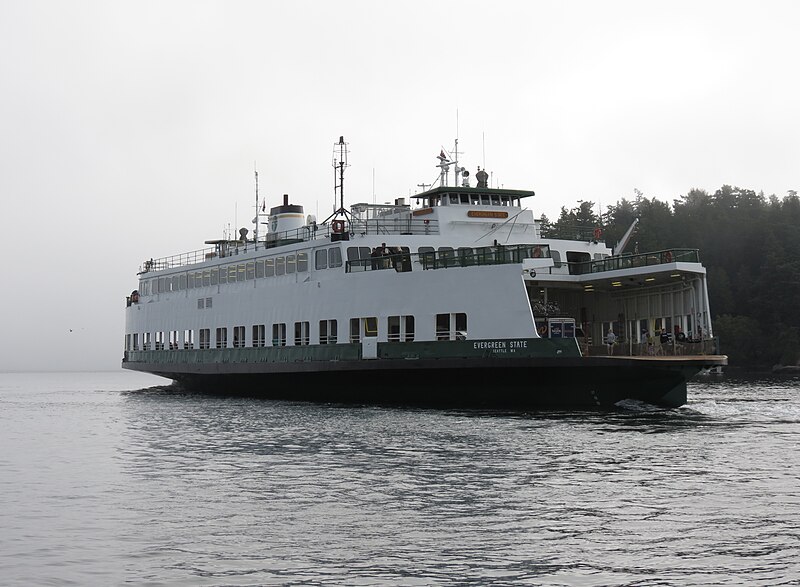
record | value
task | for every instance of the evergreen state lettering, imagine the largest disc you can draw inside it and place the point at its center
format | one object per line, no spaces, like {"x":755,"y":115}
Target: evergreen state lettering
{"x":500,"y":346}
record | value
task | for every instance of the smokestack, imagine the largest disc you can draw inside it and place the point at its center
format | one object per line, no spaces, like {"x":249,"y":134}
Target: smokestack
{"x":285,"y":199}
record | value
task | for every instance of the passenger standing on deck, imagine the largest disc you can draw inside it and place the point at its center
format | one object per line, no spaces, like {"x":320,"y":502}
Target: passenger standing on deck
{"x":611,"y":338}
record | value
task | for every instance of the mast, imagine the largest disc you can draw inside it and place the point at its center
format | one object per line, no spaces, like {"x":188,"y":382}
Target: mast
{"x":255,"y":232}
{"x":339,"y":165}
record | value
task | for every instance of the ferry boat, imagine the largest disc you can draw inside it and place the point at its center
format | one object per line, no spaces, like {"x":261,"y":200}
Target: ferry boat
{"x":456,"y":297}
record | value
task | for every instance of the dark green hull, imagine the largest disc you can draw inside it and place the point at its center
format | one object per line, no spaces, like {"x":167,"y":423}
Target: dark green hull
{"x":542,"y":373}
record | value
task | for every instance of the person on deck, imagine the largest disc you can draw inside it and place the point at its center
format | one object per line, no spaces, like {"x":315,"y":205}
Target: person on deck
{"x":611,"y":338}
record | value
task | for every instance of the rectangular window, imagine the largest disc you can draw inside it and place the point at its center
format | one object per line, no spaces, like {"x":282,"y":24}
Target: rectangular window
{"x":214,"y":276}
{"x":222,"y":338}
{"x":232,"y":274}
{"x":146,"y":344}
{"x":208,"y":302}
{"x":321,"y":259}
{"x":334,"y":257}
{"x":280,"y":266}
{"x":240,"y":272}
{"x":135,"y":341}
{"x":201,"y":303}
{"x":269,"y":267}
{"x":302,"y":262}
{"x":279,"y":335}
{"x":173,"y":340}
{"x":188,"y":339}
{"x":355,"y":330}
{"x":223,"y":274}
{"x":182,"y":285}
{"x":205,"y":338}
{"x":259,"y":269}
{"x":328,"y":332}
{"x":290,"y":264}
{"x":128,"y":342}
{"x":162,"y":288}
{"x":259,"y":335}
{"x":301,"y":337}
{"x":206,"y":278}
{"x":251,"y":270}
{"x":442,"y":326}
{"x":198,"y":279}
{"x":451,"y":326}
{"x":358,"y":258}
{"x":400,"y":328}
{"x":176,"y":282}
{"x":238,"y":337}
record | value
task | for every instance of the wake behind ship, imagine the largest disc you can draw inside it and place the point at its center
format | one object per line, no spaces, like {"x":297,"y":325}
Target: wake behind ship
{"x":458,"y":299}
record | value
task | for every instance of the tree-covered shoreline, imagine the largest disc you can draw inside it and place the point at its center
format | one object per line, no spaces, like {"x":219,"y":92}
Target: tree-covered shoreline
{"x":750,"y":246}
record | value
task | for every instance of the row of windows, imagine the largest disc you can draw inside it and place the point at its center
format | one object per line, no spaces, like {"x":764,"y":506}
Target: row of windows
{"x":325,"y":258}
{"x":398,"y":329}
{"x":472,"y":200}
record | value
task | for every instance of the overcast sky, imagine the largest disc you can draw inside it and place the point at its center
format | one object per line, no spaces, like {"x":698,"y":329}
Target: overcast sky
{"x":130,"y":129}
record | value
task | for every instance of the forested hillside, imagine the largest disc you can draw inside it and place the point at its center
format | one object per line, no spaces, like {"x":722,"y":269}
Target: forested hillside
{"x":750,"y":246}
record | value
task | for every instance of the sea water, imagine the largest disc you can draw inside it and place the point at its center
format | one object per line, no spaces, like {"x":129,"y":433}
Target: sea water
{"x":118,"y":478}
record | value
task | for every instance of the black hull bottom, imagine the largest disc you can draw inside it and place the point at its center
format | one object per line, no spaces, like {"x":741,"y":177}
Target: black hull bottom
{"x":585,"y":383}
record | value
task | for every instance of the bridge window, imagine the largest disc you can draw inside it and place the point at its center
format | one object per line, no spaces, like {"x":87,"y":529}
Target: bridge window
{"x":290,"y":263}
{"x":240,"y":272}
{"x":259,"y":269}
{"x":135,"y":341}
{"x":188,"y":339}
{"x":269,"y":267}
{"x":280,"y":266}
{"x":250,"y":270}
{"x":174,"y":341}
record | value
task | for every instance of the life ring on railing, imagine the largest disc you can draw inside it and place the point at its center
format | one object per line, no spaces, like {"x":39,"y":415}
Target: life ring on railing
{"x":668,"y":257}
{"x":542,"y":330}
{"x":597,"y":234}
{"x":337,"y":226}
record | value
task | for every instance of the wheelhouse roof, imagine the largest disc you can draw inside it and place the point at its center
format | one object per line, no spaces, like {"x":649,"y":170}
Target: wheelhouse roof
{"x":443,"y":190}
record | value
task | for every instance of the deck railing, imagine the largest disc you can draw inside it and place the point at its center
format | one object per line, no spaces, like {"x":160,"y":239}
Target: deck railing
{"x":637,"y":260}
{"x":302,"y":234}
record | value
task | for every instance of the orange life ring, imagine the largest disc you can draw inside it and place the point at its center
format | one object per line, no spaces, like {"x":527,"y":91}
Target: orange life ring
{"x":337,"y":226}
{"x":597,"y":233}
{"x":668,"y":256}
